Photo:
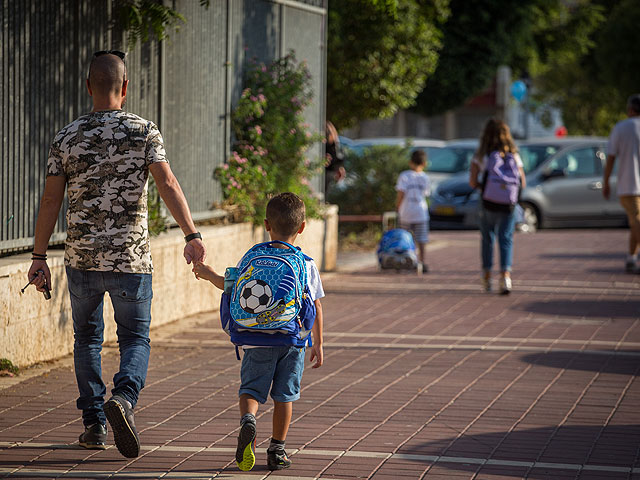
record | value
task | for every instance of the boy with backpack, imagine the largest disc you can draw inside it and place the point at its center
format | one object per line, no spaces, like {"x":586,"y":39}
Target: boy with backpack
{"x":413,"y":186}
{"x":271,"y":310}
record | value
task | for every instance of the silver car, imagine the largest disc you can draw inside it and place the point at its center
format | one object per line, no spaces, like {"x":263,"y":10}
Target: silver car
{"x":564,"y":189}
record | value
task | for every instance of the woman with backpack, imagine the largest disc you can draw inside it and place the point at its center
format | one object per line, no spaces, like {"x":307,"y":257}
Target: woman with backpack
{"x":497,"y":169}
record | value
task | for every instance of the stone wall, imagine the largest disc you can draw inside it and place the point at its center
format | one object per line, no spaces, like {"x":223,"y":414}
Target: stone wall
{"x":33,"y":330}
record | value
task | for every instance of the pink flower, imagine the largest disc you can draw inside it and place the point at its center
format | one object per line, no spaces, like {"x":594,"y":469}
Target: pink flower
{"x":225,"y":166}
{"x":292,"y":131}
{"x":258,"y":130}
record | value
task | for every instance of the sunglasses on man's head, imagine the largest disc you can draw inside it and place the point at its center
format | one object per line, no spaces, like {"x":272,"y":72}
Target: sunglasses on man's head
{"x":117,"y":53}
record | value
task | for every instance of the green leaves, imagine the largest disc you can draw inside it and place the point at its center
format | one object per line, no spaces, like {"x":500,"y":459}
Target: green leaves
{"x":378,"y":61}
{"x":142,"y":19}
{"x":271,"y":140}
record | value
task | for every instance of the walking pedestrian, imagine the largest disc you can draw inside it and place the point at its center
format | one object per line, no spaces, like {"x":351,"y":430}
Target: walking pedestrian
{"x":413,"y":186}
{"x":273,"y":359}
{"x":334,"y":165}
{"x":624,"y":144}
{"x":500,"y":167}
{"x":103,"y":159}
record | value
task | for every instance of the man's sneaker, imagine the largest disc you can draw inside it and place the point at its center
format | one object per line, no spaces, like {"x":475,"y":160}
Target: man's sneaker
{"x":505,"y":285}
{"x":94,"y":437}
{"x":246,"y":451}
{"x":120,"y":416}
{"x":277,"y":459}
{"x":486,"y":284}
{"x":630,"y":266}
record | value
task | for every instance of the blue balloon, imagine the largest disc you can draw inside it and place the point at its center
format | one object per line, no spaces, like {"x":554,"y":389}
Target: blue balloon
{"x":518,"y":89}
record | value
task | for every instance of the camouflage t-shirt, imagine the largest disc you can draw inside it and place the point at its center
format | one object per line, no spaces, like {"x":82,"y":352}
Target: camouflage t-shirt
{"x":105,"y":157}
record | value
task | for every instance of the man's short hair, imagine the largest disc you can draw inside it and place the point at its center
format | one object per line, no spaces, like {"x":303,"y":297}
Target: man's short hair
{"x":286,"y":213}
{"x":634,"y":103}
{"x":107,"y":73}
{"x":418,"y":157}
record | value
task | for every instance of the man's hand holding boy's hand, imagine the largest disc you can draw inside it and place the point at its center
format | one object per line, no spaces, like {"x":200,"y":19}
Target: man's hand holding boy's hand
{"x":200,"y":270}
{"x":317,"y":354}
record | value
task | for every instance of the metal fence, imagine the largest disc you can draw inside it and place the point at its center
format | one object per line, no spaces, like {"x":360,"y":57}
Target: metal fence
{"x":187,"y":85}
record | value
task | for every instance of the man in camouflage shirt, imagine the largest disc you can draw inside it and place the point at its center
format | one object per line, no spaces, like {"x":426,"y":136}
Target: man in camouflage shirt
{"x":103,"y":159}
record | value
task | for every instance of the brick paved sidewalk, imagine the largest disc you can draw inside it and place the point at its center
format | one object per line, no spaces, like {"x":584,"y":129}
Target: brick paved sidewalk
{"x":424,"y":377}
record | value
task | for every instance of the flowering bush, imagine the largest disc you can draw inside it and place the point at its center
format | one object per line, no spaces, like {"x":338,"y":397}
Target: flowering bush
{"x":271,"y":140}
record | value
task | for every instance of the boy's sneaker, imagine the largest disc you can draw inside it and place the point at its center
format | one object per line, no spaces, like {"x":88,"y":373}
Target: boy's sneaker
{"x":246,"y":451}
{"x":505,"y":285}
{"x":94,"y":437}
{"x":120,"y":415}
{"x":277,"y":459}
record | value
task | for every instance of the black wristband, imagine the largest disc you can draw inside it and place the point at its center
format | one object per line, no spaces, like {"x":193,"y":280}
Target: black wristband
{"x":39,"y":256}
{"x":191,"y":236}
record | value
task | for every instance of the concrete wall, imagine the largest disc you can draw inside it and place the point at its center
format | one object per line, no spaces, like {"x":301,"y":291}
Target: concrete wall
{"x":33,"y":330}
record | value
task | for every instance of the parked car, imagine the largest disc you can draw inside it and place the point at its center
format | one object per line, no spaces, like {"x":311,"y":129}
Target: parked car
{"x":564,"y":189}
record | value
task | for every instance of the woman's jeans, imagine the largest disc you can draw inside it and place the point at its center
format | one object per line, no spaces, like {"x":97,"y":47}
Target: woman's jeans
{"x":501,"y":224}
{"x":131,"y":295}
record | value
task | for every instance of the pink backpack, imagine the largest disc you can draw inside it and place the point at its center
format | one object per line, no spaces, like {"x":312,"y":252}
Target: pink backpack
{"x":502,"y":181}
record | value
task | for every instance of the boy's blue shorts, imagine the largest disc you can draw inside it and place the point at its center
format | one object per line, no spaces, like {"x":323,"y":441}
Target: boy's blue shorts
{"x":276,"y":368}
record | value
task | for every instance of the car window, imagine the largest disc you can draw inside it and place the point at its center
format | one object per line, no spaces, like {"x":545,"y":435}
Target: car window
{"x":533,"y":155}
{"x":581,"y":162}
{"x":449,"y":159}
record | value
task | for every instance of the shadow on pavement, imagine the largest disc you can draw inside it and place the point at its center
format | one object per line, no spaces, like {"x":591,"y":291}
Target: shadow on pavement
{"x":606,"y":362}
{"x":564,"y":449}
{"x":608,"y":308}
{"x":593,"y":256}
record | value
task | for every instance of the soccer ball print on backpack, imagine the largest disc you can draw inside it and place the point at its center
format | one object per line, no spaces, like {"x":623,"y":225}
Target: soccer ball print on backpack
{"x":269,"y":303}
{"x":502,"y":179}
{"x":397,"y":250}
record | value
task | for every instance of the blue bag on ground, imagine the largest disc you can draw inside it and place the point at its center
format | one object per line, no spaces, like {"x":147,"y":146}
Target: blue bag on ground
{"x":270,"y":303}
{"x":397,"y":250}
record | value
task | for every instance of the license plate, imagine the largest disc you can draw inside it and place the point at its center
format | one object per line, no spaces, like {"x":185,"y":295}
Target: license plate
{"x":445,"y":210}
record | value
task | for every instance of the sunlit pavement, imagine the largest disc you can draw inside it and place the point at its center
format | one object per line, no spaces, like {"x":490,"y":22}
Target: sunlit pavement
{"x":424,"y":377}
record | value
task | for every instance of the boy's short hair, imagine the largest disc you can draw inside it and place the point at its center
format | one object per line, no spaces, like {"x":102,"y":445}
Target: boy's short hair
{"x":286,"y":213}
{"x":418,"y":157}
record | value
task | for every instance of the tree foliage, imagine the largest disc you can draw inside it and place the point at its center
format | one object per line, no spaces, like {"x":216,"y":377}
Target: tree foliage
{"x":478,"y":37}
{"x":590,"y":84}
{"x":378,"y":60}
{"x":143,"y":20}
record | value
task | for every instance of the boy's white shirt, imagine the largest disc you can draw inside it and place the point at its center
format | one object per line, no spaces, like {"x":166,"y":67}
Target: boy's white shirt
{"x":416,"y":186}
{"x":315,"y":288}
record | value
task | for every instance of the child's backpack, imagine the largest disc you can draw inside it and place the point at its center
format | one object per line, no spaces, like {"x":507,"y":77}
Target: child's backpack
{"x":397,"y":250}
{"x":270,"y":303}
{"x":502,"y":180}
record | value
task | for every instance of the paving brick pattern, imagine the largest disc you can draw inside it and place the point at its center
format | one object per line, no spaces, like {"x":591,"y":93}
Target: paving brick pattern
{"x":424,"y":377}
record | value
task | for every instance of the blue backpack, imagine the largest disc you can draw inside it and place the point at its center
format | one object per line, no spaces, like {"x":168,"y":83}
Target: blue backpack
{"x":397,"y":250}
{"x":270,"y":303}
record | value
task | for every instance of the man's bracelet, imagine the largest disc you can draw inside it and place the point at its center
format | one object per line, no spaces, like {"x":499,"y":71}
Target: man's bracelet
{"x":38,"y":256}
{"x":191,"y":236}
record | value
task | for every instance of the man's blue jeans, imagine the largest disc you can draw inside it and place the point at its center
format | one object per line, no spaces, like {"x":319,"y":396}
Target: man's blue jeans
{"x":131,"y":295}
{"x":502,"y":225}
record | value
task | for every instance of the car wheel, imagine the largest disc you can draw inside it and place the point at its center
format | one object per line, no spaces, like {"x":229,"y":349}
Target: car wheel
{"x":531,"y":217}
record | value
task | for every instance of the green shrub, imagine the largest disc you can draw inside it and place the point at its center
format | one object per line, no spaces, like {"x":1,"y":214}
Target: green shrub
{"x":371,"y":179}
{"x":271,"y":140}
